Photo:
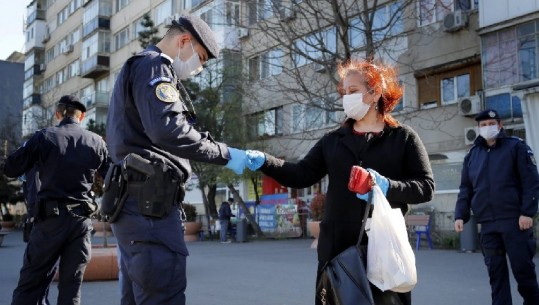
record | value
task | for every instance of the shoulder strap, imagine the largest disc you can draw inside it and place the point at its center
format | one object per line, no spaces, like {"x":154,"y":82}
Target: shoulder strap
{"x":364,"y":220}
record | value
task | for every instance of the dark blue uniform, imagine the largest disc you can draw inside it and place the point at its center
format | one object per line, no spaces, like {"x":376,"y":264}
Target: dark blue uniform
{"x":67,"y":158}
{"x":147,"y":117}
{"x":499,"y":184}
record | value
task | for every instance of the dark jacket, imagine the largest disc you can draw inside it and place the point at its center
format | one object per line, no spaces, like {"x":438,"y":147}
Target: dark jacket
{"x":67,"y":157}
{"x":225,"y":212}
{"x":498,"y":182}
{"x":151,"y":122}
{"x":397,"y":154}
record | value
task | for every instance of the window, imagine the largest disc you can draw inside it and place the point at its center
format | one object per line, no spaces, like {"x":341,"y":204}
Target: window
{"x":232,"y":12}
{"x":467,"y":4}
{"x":313,"y":116}
{"x":259,"y":10}
{"x":446,"y":85}
{"x":121,"y":38}
{"x":120,"y":4}
{"x":318,"y":45}
{"x":162,"y":11}
{"x":454,"y":88}
{"x":266,"y":65}
{"x":267,"y":123}
{"x":74,"y":69}
{"x":208,"y":17}
{"x":511,"y":55}
{"x":431,"y":11}
{"x":400,"y":106}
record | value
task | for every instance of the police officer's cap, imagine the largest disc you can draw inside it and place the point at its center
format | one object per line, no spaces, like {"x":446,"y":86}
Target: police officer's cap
{"x":201,"y":31}
{"x":488,"y":114}
{"x":72,"y":101}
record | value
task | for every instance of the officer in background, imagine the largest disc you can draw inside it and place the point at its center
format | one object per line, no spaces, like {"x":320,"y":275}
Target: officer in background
{"x":149,"y":122}
{"x":67,"y":157}
{"x":500,"y":184}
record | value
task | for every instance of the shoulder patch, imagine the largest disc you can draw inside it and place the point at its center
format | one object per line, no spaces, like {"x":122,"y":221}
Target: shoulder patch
{"x":166,"y":93}
{"x":159,"y":80}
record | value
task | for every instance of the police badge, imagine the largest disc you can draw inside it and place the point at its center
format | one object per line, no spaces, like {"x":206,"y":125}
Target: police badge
{"x":166,"y":93}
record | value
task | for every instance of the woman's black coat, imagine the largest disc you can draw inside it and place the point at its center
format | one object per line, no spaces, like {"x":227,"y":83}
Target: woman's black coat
{"x":397,"y":154}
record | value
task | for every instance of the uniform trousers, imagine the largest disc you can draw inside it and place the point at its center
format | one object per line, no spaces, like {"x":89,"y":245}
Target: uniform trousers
{"x":153,"y":257}
{"x":502,"y":237}
{"x":66,"y":237}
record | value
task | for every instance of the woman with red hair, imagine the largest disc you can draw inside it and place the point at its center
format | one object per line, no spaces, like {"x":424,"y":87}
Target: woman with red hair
{"x":369,"y":137}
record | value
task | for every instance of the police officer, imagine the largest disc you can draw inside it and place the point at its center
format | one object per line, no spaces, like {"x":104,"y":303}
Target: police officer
{"x":500,"y":184}
{"x":67,"y":157}
{"x":149,"y":119}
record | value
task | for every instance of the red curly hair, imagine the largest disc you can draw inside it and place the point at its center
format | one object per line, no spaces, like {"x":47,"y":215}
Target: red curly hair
{"x":380,"y":78}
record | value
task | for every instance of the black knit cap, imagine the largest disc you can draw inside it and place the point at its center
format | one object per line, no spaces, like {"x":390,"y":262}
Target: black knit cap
{"x":201,"y":31}
{"x":488,"y":114}
{"x":72,"y":101}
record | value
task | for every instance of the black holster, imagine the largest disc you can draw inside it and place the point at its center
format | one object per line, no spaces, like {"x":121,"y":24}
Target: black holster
{"x":114,"y":190}
{"x":158,"y":193}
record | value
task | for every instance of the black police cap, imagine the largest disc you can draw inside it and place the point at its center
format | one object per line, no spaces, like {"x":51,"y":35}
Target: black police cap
{"x":72,"y":101}
{"x":488,"y":114}
{"x":201,"y":31}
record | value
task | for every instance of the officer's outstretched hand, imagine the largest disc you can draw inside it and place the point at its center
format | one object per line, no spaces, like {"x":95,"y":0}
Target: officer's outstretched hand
{"x":382,"y":182}
{"x":255,"y":159}
{"x":238,"y":160}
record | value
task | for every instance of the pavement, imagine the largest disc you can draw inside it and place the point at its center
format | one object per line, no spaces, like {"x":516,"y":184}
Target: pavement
{"x":275,"y":272}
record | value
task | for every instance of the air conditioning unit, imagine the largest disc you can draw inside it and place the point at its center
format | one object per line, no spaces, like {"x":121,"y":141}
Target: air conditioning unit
{"x":67,"y":49}
{"x":46,"y":38}
{"x":287,"y":13}
{"x":470,"y":105}
{"x":242,"y":33}
{"x":470,"y":134}
{"x":455,"y":21}
{"x":42,"y":67}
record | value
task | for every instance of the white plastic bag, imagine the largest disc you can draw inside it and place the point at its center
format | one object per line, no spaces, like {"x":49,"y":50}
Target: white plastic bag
{"x":390,"y":258}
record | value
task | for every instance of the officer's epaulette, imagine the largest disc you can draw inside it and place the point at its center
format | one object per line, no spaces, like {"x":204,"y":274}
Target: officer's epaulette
{"x":166,"y":59}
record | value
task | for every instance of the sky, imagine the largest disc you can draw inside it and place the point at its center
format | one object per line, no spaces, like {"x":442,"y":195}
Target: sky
{"x":11,"y":26}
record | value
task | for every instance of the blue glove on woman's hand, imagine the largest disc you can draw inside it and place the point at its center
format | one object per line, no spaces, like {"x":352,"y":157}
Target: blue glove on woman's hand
{"x":238,"y":160}
{"x":255,"y":159}
{"x":382,"y":182}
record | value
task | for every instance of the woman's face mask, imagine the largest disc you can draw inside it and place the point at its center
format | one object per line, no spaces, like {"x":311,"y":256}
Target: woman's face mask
{"x":354,"y":107}
{"x":188,"y":68}
{"x":489,"y":132}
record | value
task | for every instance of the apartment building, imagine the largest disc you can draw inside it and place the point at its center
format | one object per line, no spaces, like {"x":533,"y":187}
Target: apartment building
{"x":455,"y":58}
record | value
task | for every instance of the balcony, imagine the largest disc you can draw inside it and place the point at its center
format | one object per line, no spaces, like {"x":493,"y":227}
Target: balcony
{"x":34,"y":70}
{"x":97,"y":100}
{"x":95,"y":66}
{"x":34,"y":99}
{"x":37,"y":14}
{"x":98,"y":23}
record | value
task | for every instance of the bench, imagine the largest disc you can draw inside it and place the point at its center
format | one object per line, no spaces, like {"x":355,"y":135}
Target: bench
{"x":420,"y":224}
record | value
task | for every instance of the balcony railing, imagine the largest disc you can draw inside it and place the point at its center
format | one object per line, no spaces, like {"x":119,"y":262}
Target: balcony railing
{"x":95,"y":66}
{"x":37,"y":14}
{"x":95,"y":24}
{"x":97,"y":100}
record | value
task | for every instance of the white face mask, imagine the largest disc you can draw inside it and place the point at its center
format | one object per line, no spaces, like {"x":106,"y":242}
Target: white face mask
{"x":354,"y":107}
{"x":189,"y":68}
{"x":489,"y":132}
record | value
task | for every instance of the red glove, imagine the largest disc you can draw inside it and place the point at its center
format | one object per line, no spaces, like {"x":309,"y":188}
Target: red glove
{"x":360,"y":180}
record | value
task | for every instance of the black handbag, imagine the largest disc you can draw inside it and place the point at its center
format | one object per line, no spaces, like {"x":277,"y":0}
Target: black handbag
{"x":343,"y":280}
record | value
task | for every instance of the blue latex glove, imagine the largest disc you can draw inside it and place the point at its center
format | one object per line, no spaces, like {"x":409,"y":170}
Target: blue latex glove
{"x":382,"y":182}
{"x":255,"y":159}
{"x":238,"y":160}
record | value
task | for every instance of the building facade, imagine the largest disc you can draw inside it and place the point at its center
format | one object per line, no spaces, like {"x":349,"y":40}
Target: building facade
{"x":455,"y":58}
{"x":11,"y":79}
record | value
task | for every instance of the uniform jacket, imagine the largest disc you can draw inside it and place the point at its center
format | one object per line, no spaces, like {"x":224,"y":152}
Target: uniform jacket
{"x":67,"y":157}
{"x":397,"y":154}
{"x":498,"y":182}
{"x":147,"y":117}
